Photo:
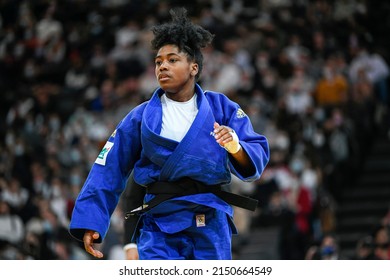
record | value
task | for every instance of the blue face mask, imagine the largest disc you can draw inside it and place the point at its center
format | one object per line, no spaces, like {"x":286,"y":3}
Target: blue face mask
{"x":328,"y":250}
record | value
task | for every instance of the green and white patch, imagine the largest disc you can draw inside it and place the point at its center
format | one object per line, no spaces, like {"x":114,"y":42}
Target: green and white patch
{"x":101,"y":159}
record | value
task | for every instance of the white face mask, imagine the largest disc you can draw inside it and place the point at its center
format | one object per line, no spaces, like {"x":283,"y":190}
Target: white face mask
{"x":318,"y":139}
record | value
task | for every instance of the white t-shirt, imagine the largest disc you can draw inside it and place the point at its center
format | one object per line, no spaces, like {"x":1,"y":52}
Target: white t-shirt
{"x":177,"y":117}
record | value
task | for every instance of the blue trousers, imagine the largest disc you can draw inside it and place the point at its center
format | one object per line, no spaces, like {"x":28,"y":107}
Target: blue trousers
{"x":208,"y":237}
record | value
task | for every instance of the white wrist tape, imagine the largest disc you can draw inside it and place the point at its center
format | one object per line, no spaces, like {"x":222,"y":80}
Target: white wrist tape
{"x":130,"y":246}
{"x":234,"y":145}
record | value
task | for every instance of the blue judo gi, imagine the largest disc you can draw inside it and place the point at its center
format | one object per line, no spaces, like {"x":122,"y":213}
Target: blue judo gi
{"x":196,"y":226}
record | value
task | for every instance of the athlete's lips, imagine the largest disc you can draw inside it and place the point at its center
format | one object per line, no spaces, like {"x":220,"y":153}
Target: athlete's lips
{"x":163,"y":77}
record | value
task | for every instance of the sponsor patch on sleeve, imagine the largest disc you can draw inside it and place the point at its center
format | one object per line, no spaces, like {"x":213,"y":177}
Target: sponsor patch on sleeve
{"x":240,"y":113}
{"x":101,"y":159}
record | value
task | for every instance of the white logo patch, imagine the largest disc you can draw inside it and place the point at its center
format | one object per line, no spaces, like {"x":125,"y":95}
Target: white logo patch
{"x":101,"y":159}
{"x":240,"y":113}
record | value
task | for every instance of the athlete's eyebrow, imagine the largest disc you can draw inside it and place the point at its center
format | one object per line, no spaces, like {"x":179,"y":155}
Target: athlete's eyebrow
{"x":169,"y":54}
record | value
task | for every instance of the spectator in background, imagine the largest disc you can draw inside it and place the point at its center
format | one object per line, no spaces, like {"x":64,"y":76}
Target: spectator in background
{"x":382,"y":242}
{"x":15,"y":195}
{"x":76,"y":78}
{"x":375,"y":67}
{"x":331,"y":90}
{"x":48,"y":28}
{"x":339,"y":148}
{"x":362,"y":89}
{"x":12,"y":231}
{"x":365,"y":249}
{"x":297,"y":100}
{"x":329,"y":248}
{"x":295,"y":50}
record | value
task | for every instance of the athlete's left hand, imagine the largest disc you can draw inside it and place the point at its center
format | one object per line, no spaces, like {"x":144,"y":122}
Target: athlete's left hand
{"x":227,"y":138}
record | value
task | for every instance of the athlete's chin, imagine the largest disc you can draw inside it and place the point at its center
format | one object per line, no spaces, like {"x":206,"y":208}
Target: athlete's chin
{"x":168,"y":88}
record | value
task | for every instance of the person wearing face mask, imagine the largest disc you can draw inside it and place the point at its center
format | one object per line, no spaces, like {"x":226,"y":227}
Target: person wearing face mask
{"x":329,"y":248}
{"x":182,"y":145}
{"x":332,"y":88}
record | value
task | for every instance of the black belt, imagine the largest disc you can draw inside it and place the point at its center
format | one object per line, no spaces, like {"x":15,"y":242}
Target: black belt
{"x":167,"y":190}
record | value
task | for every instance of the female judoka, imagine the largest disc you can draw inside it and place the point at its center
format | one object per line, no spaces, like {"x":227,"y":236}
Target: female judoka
{"x":182,"y":145}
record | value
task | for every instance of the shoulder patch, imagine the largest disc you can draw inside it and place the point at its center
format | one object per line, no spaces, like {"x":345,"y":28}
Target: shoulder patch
{"x":101,"y":159}
{"x":240,"y":113}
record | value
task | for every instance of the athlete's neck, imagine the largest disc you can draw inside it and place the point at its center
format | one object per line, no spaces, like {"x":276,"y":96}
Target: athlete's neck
{"x":182,"y":95}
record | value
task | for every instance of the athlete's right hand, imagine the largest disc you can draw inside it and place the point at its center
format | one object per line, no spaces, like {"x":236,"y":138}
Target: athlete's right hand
{"x":89,"y":237}
{"x":132,"y":254}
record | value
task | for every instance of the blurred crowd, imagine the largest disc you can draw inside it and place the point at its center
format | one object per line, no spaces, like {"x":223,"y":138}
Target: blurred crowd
{"x":310,"y":74}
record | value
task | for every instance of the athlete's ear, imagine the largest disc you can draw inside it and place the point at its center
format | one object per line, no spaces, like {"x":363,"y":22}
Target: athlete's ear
{"x":194,"y":69}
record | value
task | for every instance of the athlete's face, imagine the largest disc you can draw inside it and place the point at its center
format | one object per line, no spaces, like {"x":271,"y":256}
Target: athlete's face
{"x":175,"y":72}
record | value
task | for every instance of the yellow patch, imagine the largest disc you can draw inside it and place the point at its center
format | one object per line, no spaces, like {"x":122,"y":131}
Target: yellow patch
{"x":200,"y":220}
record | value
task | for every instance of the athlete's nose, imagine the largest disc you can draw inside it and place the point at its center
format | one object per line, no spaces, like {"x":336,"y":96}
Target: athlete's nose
{"x":163,"y":65}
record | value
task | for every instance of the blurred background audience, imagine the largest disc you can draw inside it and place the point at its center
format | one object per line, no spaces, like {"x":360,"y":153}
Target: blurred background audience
{"x":312,"y":75}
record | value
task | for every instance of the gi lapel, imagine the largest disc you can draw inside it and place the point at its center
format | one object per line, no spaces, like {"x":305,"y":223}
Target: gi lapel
{"x":152,"y":142}
{"x":164,"y":152}
{"x":204,"y":114}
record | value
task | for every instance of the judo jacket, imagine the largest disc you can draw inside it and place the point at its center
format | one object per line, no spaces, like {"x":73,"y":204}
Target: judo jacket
{"x":136,"y":145}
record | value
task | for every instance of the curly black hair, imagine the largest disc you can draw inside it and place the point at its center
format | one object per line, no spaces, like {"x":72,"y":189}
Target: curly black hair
{"x":188,"y":37}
